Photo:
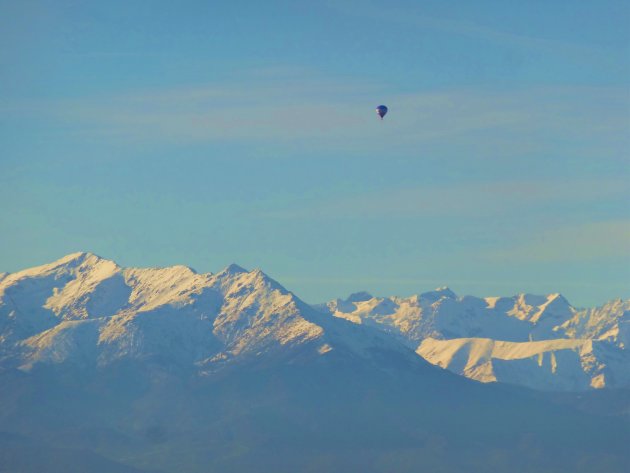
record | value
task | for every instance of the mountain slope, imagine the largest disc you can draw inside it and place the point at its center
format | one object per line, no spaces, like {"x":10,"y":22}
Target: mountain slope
{"x":441,"y":314}
{"x":170,"y":370}
{"x":86,"y":310}
{"x":609,"y":322}
{"x":537,"y":341}
{"x":22,"y":455}
{"x":552,"y":365}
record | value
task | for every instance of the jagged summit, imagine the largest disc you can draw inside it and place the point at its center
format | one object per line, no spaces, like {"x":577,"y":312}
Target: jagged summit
{"x":540,"y":341}
{"x":84,"y":307}
{"x":232,"y":270}
{"x":360,"y":296}
{"x":79,"y":256}
{"x":89,"y":349}
{"x":438,"y":293}
{"x":68,"y":263}
{"x":443,"y":289}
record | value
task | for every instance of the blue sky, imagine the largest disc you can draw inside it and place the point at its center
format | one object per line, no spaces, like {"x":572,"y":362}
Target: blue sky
{"x":205,"y":133}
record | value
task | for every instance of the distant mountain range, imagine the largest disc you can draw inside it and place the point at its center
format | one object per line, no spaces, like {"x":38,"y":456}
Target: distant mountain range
{"x":165,"y":369}
{"x":537,"y":341}
{"x":86,"y":309}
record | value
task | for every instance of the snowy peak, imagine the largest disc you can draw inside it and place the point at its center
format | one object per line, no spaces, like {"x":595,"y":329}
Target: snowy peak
{"x":469,"y":335}
{"x":68,"y":265}
{"x":533,"y":308}
{"x":77,"y":286}
{"x":442,"y":314}
{"x":610,"y":322}
{"x":154,"y":287}
{"x":259,"y":316}
{"x":360,"y":296}
{"x":71,"y":260}
{"x":556,"y":310}
{"x":437,"y":294}
{"x":235,"y":281}
{"x":86,"y":310}
{"x":232,"y":270}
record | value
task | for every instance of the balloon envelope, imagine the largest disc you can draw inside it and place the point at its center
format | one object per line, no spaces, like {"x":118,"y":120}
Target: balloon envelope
{"x":381,"y":111}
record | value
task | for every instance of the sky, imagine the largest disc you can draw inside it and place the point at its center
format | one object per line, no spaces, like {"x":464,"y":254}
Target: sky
{"x":204,"y":133}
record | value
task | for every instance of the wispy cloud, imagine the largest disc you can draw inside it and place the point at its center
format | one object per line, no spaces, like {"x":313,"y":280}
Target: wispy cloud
{"x":589,"y":241}
{"x":262,"y":105}
{"x":506,"y":221}
{"x":393,"y":14}
{"x":491,"y":199}
{"x":306,"y":108}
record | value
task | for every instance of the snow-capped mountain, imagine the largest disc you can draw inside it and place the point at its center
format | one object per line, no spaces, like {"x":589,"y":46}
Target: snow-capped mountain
{"x":537,"y":341}
{"x":165,"y":369}
{"x":610,"y":322}
{"x":552,"y":365}
{"x":83,"y":309}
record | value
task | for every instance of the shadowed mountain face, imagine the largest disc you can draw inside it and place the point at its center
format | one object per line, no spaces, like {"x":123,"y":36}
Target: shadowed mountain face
{"x":169,"y":370}
{"x":21,"y":454}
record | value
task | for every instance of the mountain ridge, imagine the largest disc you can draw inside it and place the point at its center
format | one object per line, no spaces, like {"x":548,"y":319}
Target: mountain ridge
{"x":236,"y":312}
{"x":83,"y":304}
{"x":447,"y":330}
{"x":170,"y":370}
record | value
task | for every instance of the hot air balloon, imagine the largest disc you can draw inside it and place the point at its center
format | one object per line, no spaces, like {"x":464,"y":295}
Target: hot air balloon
{"x":381,"y":111}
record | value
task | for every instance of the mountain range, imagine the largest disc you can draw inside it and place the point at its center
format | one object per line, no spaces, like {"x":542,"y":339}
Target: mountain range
{"x":165,"y":369}
{"x":540,"y":342}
